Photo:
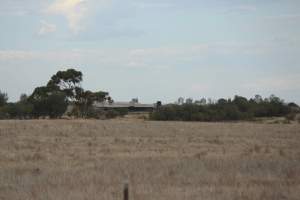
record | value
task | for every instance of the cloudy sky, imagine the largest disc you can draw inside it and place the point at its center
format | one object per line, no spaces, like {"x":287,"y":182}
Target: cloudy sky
{"x":154,"y":49}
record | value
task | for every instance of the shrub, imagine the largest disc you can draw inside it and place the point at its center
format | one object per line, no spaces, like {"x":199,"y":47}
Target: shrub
{"x":224,"y":110}
{"x":122,"y":111}
{"x":3,"y":98}
{"x":2,"y":114}
{"x":94,"y":114}
{"x":111,"y":114}
{"x":48,"y":103}
{"x":290,"y":116}
{"x":298,"y":118}
{"x":286,"y":121}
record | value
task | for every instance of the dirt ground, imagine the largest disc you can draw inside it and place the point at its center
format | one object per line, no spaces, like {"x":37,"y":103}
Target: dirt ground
{"x":91,"y":160}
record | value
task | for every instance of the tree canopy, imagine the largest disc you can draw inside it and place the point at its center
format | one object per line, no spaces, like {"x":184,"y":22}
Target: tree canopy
{"x":240,"y":108}
{"x":3,"y":98}
{"x":68,"y":81}
{"x":48,"y":102}
{"x":64,"y":89}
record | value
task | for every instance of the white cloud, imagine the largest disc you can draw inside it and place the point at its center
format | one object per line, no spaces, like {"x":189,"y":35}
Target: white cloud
{"x":46,"y":28}
{"x":73,"y":10}
{"x":77,"y":12}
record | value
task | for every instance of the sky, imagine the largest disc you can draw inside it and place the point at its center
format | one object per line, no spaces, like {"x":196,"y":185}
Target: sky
{"x":154,"y":49}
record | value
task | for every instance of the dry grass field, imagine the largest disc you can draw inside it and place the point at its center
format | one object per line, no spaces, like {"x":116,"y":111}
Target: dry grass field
{"x":90,"y":160}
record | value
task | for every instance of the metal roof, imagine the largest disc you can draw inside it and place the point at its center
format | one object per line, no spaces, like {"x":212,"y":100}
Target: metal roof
{"x":122,"y":105}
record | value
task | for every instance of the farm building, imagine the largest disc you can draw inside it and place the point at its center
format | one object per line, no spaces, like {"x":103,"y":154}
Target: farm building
{"x":132,"y":106}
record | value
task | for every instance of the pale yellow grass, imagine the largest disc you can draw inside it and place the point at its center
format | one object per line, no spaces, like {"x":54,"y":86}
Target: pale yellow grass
{"x":89,"y":160}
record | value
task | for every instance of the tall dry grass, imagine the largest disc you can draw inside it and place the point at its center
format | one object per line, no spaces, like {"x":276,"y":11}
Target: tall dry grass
{"x":78,"y":160}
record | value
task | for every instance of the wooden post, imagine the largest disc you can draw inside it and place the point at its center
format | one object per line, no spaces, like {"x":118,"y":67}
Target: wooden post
{"x":126,"y":192}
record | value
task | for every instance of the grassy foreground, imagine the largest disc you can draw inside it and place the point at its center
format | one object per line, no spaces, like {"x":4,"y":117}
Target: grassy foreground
{"x":90,"y":160}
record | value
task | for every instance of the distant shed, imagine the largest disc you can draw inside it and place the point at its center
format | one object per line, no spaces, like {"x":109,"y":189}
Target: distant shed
{"x":131,"y":106}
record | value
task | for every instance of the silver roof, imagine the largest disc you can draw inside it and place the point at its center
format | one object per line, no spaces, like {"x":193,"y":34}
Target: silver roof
{"x":122,"y":105}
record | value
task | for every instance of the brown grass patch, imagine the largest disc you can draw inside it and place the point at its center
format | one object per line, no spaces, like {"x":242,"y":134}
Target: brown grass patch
{"x":75,"y":160}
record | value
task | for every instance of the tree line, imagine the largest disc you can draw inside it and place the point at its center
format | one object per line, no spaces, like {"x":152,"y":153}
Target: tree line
{"x":238,"y":108}
{"x":63,"y":94}
{"x":52,"y":100}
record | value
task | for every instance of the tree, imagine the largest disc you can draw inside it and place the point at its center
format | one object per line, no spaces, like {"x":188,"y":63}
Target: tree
{"x":275,"y":99}
{"x":52,"y":100}
{"x":222,"y":101}
{"x":240,"y":108}
{"x":10,"y":110}
{"x":203,"y":101}
{"x":258,"y":99}
{"x":67,"y":81}
{"x":85,"y":99}
{"x":24,"y":109}
{"x":241,"y":103}
{"x":57,"y":104}
{"x":189,"y":101}
{"x":47,"y":102}
{"x":180,"y":101}
{"x":23,"y":98}
{"x":101,"y":96}
{"x":21,"y":109}
{"x":3,"y":98}
{"x":292,"y":104}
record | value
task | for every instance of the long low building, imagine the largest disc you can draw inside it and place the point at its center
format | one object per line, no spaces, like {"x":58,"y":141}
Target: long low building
{"x":131,"y":106}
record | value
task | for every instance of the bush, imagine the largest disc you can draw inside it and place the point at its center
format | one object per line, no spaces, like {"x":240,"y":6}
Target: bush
{"x":94,"y":114}
{"x":298,"y":118}
{"x":52,"y":104}
{"x":291,"y":116}
{"x":224,"y":110}
{"x":111,"y":114}
{"x":3,"y":115}
{"x":122,"y":111}
{"x":3,"y":98}
{"x":11,"y":110}
{"x":105,"y":114}
{"x":286,"y":121}
{"x":20,"y":110}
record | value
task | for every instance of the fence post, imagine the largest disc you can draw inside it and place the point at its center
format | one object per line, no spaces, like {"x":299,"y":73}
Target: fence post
{"x":126,"y":191}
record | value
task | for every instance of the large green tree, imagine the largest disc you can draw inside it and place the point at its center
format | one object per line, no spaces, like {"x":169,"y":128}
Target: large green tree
{"x":48,"y":102}
{"x":3,"y":98}
{"x":85,"y":100}
{"x":68,"y":81}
